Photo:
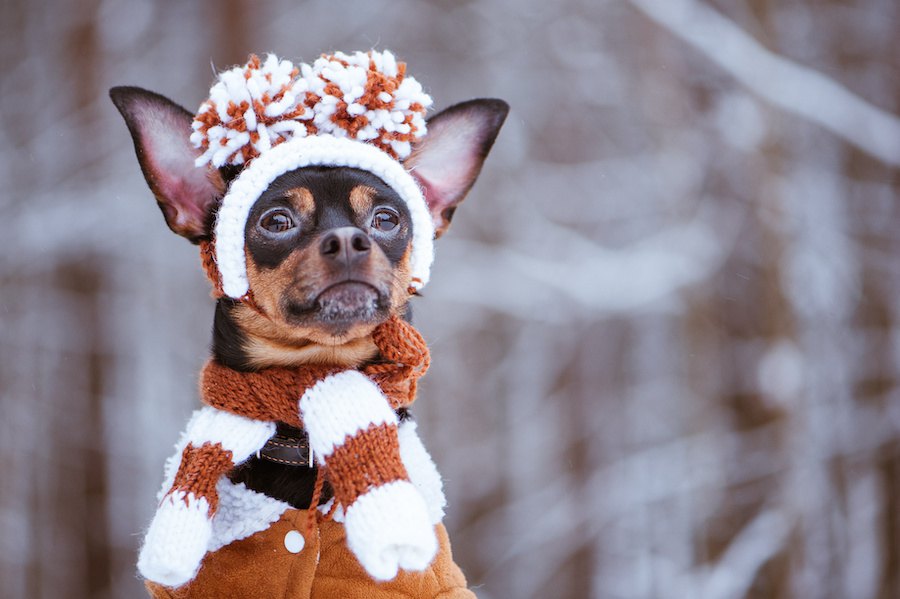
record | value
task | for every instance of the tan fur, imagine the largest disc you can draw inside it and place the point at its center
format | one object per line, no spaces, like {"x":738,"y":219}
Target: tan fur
{"x":302,"y":199}
{"x":270,"y":285}
{"x":264,"y":353}
{"x":400,"y":282}
{"x":271,"y":343}
{"x":272,"y":340}
{"x":361,"y":199}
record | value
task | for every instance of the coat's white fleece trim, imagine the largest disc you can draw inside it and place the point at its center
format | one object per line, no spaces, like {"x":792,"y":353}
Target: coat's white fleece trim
{"x":176,"y":541}
{"x":318,"y":150}
{"x":388,"y":528}
{"x":204,"y":425}
{"x":242,"y":512}
{"x":239,"y":435}
{"x":423,"y":473}
{"x":339,"y":406}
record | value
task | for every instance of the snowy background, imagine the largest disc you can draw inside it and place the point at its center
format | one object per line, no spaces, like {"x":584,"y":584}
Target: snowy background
{"x":666,"y":323}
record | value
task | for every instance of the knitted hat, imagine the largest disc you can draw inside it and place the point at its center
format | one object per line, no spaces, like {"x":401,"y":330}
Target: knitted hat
{"x":272,"y":116}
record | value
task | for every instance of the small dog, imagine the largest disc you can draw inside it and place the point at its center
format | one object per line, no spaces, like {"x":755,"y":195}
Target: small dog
{"x":328,"y":259}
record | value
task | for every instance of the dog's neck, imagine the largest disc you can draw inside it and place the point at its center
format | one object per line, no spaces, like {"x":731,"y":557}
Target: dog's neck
{"x":264,"y":353}
{"x":239,"y":349}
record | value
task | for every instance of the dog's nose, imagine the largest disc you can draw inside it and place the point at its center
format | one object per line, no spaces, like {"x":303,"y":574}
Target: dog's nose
{"x":345,"y":245}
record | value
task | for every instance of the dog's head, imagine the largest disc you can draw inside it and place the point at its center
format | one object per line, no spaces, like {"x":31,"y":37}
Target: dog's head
{"x":327,"y":248}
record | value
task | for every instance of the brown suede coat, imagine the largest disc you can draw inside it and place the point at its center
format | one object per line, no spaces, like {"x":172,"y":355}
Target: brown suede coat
{"x":261,"y":567}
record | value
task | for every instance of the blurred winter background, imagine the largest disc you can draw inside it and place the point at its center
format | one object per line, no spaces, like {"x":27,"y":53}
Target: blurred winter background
{"x":666,"y":323}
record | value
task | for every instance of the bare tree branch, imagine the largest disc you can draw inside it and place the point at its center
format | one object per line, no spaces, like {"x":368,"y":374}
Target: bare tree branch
{"x":785,"y":84}
{"x":735,"y":572}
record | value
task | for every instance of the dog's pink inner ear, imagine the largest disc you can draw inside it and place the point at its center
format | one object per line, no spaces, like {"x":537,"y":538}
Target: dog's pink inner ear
{"x":161,"y":132}
{"x":449,"y":158}
{"x":185,"y":193}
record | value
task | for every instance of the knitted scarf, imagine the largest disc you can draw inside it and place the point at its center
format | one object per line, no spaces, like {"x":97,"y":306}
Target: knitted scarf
{"x":367,"y":459}
{"x":349,"y":417}
{"x":272,"y":394}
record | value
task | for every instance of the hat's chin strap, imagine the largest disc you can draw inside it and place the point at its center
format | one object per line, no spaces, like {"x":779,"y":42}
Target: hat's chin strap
{"x":208,"y":259}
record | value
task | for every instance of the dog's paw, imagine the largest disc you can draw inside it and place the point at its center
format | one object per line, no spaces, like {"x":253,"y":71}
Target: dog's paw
{"x":176,"y":541}
{"x":389,"y":528}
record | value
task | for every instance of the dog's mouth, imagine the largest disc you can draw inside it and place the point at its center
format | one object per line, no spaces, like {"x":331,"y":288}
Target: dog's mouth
{"x":350,"y":300}
{"x":340,"y":306}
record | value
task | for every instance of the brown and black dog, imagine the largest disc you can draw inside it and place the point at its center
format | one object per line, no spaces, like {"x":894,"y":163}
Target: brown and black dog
{"x":327,"y":248}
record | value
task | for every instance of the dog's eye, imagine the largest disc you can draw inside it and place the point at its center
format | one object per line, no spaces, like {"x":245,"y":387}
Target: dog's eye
{"x":277,"y":221}
{"x":385,"y":220}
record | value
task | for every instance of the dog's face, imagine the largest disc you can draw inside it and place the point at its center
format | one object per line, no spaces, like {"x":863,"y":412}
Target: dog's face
{"x":328,"y":253}
{"x":327,"y":248}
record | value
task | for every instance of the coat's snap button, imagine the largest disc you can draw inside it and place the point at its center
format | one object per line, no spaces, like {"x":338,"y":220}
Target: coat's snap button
{"x":294,"y":541}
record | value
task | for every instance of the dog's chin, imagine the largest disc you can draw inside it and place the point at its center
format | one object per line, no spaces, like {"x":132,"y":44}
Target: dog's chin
{"x":341,"y":309}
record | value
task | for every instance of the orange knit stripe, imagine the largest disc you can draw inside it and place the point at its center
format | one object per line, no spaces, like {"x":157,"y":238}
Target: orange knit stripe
{"x":369,"y":459}
{"x":269,"y":395}
{"x":407,"y":360}
{"x":200,"y":470}
{"x":272,"y":394}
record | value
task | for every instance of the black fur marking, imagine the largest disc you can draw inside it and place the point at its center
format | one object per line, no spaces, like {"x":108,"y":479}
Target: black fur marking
{"x":330,"y":187}
{"x":292,"y":484}
{"x":229,"y":172}
{"x":228,"y":338}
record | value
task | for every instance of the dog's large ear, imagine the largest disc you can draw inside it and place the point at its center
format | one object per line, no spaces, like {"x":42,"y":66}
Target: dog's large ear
{"x":161,"y":132}
{"x":448,"y":159}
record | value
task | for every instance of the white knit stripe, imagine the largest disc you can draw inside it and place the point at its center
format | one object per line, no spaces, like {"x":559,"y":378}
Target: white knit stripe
{"x":241,"y":513}
{"x":239,"y":435}
{"x":339,"y":406}
{"x":388,"y":528}
{"x":176,"y":541}
{"x":318,"y":150}
{"x":423,"y":472}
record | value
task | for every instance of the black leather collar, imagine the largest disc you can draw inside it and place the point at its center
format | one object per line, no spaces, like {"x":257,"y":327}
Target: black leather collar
{"x":290,"y":446}
{"x":288,"y":450}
